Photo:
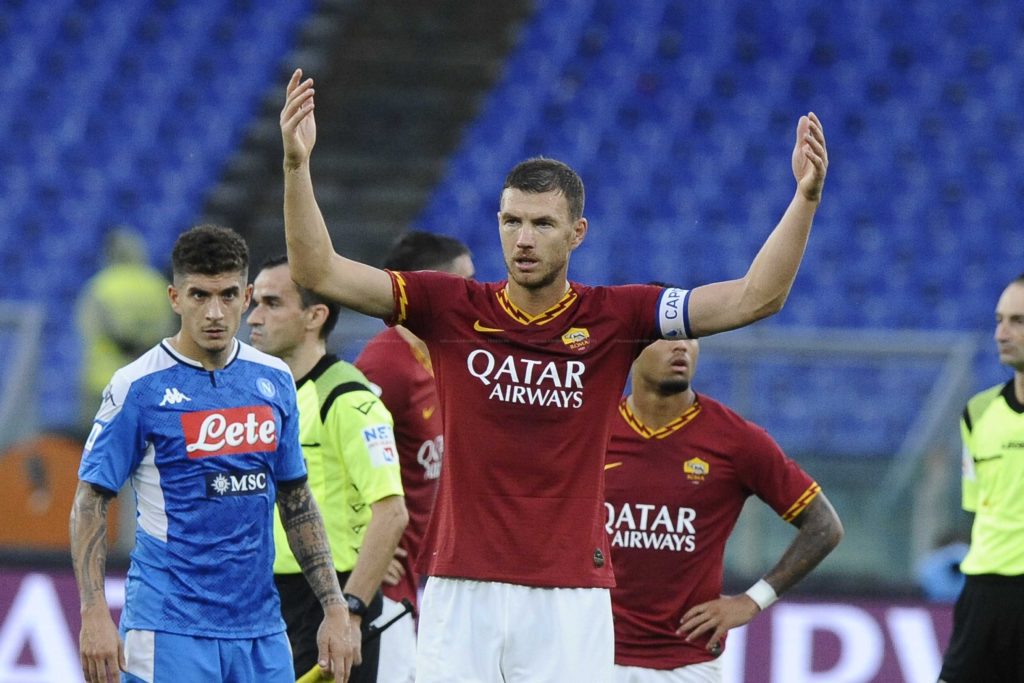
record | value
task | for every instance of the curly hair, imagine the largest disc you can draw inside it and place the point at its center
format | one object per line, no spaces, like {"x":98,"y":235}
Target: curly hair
{"x":210,"y":250}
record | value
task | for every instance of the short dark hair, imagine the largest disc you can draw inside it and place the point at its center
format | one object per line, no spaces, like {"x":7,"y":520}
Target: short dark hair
{"x":540,"y":174}
{"x":309,"y":298}
{"x":419,"y":250}
{"x":210,"y":250}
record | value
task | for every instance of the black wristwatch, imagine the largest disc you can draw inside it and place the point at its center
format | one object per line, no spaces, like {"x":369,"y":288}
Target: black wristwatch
{"x":355,"y":605}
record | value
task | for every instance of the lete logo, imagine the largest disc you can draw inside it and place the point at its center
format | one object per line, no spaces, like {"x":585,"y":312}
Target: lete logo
{"x":235,"y":430}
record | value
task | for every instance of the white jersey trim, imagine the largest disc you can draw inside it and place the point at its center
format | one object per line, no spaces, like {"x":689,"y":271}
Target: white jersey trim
{"x":150,"y":496}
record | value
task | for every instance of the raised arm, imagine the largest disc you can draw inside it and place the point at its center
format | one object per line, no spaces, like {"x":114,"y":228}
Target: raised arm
{"x":338,"y":643}
{"x":100,"y":647}
{"x":314,"y":263}
{"x":763,"y":290}
{"x":819,"y":532}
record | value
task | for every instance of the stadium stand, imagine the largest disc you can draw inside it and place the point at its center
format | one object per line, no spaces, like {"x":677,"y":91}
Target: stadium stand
{"x":679,"y":117}
{"x":125,"y":113}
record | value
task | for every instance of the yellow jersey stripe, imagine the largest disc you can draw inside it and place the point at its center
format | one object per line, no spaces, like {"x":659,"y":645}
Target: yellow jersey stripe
{"x":674,"y":426}
{"x":802,"y":502}
{"x":547,"y":316}
{"x":403,"y":298}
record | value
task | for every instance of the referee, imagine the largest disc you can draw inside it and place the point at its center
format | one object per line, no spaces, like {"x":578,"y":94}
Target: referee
{"x":988,"y":622}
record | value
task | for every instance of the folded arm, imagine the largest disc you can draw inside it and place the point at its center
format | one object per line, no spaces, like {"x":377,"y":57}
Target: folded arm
{"x":819,"y":533}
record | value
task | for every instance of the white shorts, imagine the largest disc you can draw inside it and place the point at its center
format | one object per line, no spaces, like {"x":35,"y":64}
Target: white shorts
{"x":490,"y":632}
{"x":705,"y":672}
{"x":397,"y":646}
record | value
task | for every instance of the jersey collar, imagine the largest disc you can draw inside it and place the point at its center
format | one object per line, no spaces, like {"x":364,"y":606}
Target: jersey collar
{"x":521,"y":316}
{"x":674,"y":426}
{"x":326,"y":361}
{"x":1010,"y":395}
{"x":185,"y":360}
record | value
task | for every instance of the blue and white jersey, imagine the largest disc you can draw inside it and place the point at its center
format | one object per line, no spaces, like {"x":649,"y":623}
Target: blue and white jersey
{"x":204,"y":451}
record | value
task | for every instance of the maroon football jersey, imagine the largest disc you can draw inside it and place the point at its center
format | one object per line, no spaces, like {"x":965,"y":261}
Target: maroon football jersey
{"x":673,"y":497}
{"x":406,"y":381}
{"x":527,"y":402}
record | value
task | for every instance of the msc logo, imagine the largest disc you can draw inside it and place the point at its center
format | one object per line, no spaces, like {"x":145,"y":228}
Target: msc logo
{"x":235,"y":430}
{"x":236,"y":483}
{"x":173,"y":397}
{"x":577,"y":338}
{"x":696,"y":469}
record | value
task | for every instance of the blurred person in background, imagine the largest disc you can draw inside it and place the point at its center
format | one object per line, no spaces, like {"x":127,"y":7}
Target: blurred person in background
{"x":350,"y":452}
{"x":987,"y":643}
{"x":206,"y":429}
{"x":529,"y":371}
{"x":121,"y":313}
{"x":398,"y":362}
{"x":679,"y":468}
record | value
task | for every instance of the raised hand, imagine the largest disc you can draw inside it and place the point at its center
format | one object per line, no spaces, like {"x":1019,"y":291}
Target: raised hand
{"x":810,"y":157}
{"x":298,"y":126}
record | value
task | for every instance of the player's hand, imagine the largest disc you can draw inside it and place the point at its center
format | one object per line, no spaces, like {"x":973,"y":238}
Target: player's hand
{"x":100,"y":647}
{"x":810,"y":157}
{"x":396,"y":570}
{"x":716,"y":617}
{"x":339,"y":641}
{"x":298,"y":126}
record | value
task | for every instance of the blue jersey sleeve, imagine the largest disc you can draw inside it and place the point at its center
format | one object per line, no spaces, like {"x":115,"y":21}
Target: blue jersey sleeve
{"x":117,"y":443}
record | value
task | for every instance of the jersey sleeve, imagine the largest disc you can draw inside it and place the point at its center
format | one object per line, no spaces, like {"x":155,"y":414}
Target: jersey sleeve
{"x":360,"y":429}
{"x":969,"y":480}
{"x":773,"y":477}
{"x":290,"y":465}
{"x":117,"y":442}
{"x":420,"y":298}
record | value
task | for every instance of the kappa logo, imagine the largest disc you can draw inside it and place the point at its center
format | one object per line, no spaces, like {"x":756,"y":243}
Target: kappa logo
{"x":173,"y":397}
{"x":480,"y":327}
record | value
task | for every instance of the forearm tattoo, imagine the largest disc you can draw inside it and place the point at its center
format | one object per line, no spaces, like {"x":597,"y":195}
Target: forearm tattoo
{"x":89,"y":543}
{"x":307,"y":538}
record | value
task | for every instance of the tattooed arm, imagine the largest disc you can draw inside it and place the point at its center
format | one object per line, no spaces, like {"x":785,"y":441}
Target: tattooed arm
{"x":338,"y":641}
{"x":101,"y":650}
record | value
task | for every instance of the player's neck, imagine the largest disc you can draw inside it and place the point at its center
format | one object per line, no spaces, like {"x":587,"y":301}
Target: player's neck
{"x":536,"y":301}
{"x":1018,"y":386}
{"x":304,"y":357}
{"x":210,"y":360}
{"x":655,"y":409}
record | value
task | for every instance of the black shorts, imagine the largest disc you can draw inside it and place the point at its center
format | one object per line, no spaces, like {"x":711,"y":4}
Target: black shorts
{"x":987,"y":645}
{"x":302,"y":615}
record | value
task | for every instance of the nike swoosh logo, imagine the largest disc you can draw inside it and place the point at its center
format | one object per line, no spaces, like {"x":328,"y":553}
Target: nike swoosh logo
{"x":427,"y":412}
{"x":483,"y":328}
{"x":612,"y":465}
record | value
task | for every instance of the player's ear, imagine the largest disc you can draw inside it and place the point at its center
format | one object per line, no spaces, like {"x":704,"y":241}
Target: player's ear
{"x":579,"y":232}
{"x":248,"y":295}
{"x":318,"y":314}
{"x":172,"y":296}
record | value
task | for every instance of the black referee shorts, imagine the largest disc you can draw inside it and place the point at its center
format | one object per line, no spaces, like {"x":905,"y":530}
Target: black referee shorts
{"x":302,"y":615}
{"x":987,"y":645}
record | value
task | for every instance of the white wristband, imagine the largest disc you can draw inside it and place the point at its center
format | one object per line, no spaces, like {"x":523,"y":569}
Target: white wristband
{"x":762,"y":593}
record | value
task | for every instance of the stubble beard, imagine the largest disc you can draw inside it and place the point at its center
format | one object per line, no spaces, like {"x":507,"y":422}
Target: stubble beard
{"x":673,"y":387}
